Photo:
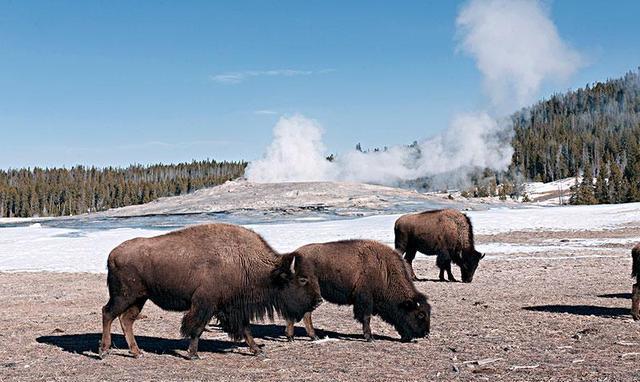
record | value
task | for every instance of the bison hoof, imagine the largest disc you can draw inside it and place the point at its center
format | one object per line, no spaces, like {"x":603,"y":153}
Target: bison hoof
{"x":102,"y":352}
{"x":290,"y":338}
{"x":314,"y":338}
{"x":368,"y":337}
{"x":193,"y":357}
{"x":137,"y":354}
{"x":635,"y":316}
{"x":258,"y":352}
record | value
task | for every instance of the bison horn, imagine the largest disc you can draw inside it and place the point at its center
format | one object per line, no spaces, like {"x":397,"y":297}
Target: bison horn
{"x":293,"y":265}
{"x":482,"y":256}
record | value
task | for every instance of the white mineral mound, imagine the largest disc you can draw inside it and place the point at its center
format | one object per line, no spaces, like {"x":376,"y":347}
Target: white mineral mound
{"x":241,"y":195}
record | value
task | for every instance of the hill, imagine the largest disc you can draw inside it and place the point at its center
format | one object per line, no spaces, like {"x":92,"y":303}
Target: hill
{"x":593,"y":130}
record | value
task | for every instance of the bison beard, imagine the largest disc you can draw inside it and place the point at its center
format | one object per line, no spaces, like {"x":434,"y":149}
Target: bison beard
{"x":371,"y":277}
{"x":210,"y":270}
{"x":448,"y":234}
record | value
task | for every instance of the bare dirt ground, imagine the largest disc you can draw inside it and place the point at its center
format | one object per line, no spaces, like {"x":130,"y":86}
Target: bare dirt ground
{"x":523,"y":318}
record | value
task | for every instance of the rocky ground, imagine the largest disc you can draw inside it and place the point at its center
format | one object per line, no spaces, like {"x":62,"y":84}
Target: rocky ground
{"x":549,"y":317}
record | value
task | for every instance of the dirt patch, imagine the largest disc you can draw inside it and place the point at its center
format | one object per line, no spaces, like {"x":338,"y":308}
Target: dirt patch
{"x":551,"y":320}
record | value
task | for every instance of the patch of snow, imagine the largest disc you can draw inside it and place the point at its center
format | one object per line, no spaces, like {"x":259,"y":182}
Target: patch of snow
{"x":74,"y":250}
{"x":61,"y":250}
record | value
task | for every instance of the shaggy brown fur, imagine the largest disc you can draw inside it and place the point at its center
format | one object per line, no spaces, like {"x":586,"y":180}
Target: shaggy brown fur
{"x":635,"y":291}
{"x":448,"y":234}
{"x":209,"y":270}
{"x":374,"y":279}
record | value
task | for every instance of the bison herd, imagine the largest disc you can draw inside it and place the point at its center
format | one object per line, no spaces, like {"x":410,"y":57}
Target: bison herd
{"x":230,"y":273}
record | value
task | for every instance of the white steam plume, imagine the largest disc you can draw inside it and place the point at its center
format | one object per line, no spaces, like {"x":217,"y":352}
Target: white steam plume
{"x":296,"y":153}
{"x":516,"y":47}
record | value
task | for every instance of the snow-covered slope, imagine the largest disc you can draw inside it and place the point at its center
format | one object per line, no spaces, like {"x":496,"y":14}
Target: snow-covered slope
{"x":76,"y":250}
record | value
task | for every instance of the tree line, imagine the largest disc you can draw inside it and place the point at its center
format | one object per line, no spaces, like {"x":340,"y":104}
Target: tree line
{"x":593,"y":132}
{"x":61,"y":191}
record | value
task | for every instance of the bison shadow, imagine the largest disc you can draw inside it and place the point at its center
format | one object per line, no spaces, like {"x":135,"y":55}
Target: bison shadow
{"x":581,"y":310}
{"x":626,"y":296}
{"x":87,"y":344}
{"x":276,"y":333}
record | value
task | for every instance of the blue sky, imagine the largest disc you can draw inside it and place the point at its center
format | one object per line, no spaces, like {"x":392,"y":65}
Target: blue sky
{"x":114,"y":82}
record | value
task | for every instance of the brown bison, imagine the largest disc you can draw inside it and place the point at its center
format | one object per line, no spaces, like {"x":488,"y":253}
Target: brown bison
{"x":448,"y":234}
{"x":371,"y":277}
{"x":635,"y":292}
{"x":209,"y":270}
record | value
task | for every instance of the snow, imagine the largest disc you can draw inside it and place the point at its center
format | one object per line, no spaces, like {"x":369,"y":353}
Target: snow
{"x":548,"y":193}
{"x":567,"y":218}
{"x":60,"y":250}
{"x":38,"y":248}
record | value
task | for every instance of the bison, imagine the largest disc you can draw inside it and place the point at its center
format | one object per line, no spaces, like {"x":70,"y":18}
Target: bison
{"x":448,"y":234}
{"x":371,"y":277}
{"x":219,"y":270}
{"x":635,"y":292}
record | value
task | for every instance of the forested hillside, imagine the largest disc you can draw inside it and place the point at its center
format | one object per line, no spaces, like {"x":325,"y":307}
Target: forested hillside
{"x":595,"y":130}
{"x":60,"y":191}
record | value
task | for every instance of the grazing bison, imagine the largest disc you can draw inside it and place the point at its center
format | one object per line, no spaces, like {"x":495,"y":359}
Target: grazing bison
{"x":448,"y":234}
{"x":635,"y":292}
{"x":371,"y":277}
{"x":209,"y":270}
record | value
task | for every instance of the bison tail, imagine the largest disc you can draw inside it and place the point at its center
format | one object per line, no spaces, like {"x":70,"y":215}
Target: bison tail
{"x":400,"y":242}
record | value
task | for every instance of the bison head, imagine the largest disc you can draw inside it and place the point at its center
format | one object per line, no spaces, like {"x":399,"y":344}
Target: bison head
{"x":297,"y":285}
{"x":469,"y":265}
{"x":414,"y":320}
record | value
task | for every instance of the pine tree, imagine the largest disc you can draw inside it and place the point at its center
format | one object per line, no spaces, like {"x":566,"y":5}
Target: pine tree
{"x":617,"y":193}
{"x":585,"y":190}
{"x":601,"y":190}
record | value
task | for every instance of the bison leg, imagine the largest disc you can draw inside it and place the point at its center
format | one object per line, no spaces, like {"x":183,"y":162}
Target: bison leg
{"x":635,"y":302}
{"x":443,"y":261}
{"x":290,"y":330}
{"x":366,"y":328}
{"x":248,"y":337}
{"x":409,"y":256}
{"x":126,"y":322}
{"x":193,"y":324}
{"x":362,"y":311}
{"x":449,"y":274}
{"x":441,"y":276}
{"x":308,"y":325}
{"x":115,"y":307}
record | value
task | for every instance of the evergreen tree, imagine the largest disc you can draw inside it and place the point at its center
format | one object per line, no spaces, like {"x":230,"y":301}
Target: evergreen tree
{"x":585,"y":190}
{"x":601,"y":189}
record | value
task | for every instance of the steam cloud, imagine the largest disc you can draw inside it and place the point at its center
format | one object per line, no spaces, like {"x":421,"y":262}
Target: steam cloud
{"x":516,"y":47}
